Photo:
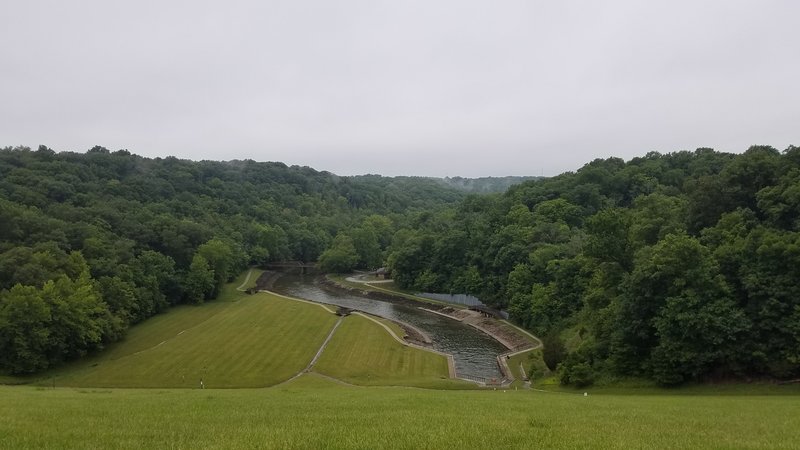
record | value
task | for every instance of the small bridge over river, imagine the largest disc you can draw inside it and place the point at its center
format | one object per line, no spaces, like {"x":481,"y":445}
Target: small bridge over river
{"x":302,"y":265}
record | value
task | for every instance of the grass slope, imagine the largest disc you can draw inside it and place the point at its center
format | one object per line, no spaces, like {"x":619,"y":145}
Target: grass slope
{"x":314,"y":413}
{"x":260,"y":340}
{"x":238,"y":340}
{"x":362,"y":352}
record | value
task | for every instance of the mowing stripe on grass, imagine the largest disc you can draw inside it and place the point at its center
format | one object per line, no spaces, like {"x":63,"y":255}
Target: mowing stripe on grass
{"x":451,"y":364}
{"x":258,"y":341}
{"x":361,"y":352}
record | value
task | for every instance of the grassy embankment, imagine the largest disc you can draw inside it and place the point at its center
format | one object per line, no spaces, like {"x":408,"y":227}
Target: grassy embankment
{"x":259,"y":340}
{"x":310,"y":412}
{"x":236,"y":341}
{"x":384,"y":361}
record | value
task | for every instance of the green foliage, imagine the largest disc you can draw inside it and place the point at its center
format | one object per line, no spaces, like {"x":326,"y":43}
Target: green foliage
{"x":200,"y":281}
{"x":696,"y":336}
{"x":554,"y":351}
{"x":678,"y":267}
{"x":222,"y":261}
{"x":578,"y":374}
{"x":24,"y":329}
{"x":140,"y":223}
{"x":342,"y":257}
{"x":40,"y":327}
{"x":365,"y":242}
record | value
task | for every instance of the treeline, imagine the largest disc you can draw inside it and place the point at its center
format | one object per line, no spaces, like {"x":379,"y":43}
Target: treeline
{"x":673,"y":267}
{"x":485,"y":185}
{"x":92,"y":243}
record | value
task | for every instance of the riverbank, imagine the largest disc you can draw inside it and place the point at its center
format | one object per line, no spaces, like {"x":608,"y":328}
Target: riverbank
{"x":515,"y":340}
{"x":501,"y":331}
{"x":413,"y":335}
{"x":510,"y":336}
{"x":266,"y":280}
{"x":474,"y":351}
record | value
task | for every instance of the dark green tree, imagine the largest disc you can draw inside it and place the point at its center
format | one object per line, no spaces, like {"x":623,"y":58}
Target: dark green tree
{"x":200,"y":282}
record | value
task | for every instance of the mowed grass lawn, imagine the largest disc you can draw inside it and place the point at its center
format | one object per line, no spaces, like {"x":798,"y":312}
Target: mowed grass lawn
{"x":310,"y":412}
{"x":363,"y":352}
{"x":241,"y":341}
{"x":238,"y":341}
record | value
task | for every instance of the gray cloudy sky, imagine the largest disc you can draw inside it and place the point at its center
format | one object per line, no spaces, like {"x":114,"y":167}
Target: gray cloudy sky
{"x":444,"y":88}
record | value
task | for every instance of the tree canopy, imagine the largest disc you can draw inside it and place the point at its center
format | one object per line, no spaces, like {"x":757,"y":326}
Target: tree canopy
{"x":673,"y":267}
{"x":92,"y":243}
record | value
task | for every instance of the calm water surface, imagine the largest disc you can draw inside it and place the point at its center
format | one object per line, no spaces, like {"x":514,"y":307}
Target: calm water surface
{"x":474,"y":352}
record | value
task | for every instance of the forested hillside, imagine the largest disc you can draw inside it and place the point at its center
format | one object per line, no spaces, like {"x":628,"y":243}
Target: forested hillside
{"x":484,"y":185}
{"x":673,"y":267}
{"x":92,"y":243}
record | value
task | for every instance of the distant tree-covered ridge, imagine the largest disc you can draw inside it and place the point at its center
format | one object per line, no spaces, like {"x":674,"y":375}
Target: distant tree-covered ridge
{"x":92,"y":243}
{"x":674,"y":267}
{"x":486,"y":185}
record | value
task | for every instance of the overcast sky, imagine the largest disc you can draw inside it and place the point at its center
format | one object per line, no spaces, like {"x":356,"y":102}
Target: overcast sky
{"x":442,"y":88}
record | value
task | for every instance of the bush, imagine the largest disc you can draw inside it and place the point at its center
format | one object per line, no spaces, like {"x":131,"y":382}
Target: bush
{"x":553,"y":352}
{"x":575,"y":372}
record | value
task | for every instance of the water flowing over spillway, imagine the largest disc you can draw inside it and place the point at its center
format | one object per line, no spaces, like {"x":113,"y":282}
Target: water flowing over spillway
{"x":474,"y":352}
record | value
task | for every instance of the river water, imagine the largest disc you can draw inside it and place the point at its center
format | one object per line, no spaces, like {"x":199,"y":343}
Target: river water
{"x":474,"y":352}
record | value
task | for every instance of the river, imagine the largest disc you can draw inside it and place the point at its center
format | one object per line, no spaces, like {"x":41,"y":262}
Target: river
{"x":474,"y":352}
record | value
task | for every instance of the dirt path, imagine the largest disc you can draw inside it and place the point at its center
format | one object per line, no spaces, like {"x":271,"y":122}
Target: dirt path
{"x":319,"y":353}
{"x":246,"y":280}
{"x":324,"y":344}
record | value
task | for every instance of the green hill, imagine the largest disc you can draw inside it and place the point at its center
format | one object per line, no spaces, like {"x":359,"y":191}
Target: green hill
{"x":256,"y":340}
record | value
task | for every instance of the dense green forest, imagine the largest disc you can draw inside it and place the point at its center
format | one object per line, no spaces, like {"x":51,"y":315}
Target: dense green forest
{"x":484,"y":185}
{"x":92,"y":243}
{"x":671,"y":267}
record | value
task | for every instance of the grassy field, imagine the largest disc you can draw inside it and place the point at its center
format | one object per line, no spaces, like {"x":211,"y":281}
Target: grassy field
{"x":259,"y":341}
{"x":238,"y":340}
{"x":310,"y":412}
{"x":384,"y":361}
{"x":249,"y":341}
{"x":241,"y":341}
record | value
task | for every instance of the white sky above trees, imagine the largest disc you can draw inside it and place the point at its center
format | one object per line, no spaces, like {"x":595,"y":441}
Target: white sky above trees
{"x":402,"y":87}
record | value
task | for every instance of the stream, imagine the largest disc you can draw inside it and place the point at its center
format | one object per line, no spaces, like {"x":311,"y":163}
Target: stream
{"x":474,"y":352}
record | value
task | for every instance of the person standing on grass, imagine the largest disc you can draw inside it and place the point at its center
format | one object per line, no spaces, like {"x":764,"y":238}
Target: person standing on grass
{"x":202,"y":386}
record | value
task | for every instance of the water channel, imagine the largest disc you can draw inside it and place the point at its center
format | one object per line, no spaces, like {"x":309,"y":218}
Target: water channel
{"x":474,"y":352}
